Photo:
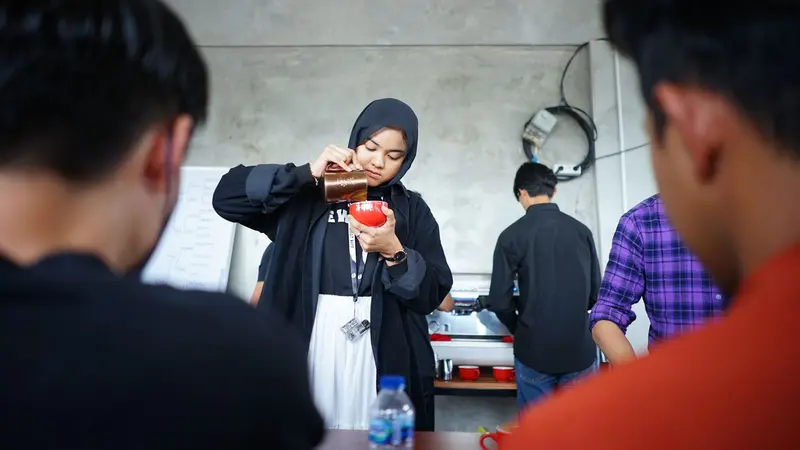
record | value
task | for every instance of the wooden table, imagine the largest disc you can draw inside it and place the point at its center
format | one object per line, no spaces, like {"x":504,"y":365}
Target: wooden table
{"x":357,"y":440}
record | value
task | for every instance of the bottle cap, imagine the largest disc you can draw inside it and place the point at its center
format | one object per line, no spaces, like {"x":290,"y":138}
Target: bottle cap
{"x":392,"y":382}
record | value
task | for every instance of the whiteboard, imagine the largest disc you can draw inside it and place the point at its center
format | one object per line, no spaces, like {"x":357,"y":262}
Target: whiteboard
{"x":196,"y":248}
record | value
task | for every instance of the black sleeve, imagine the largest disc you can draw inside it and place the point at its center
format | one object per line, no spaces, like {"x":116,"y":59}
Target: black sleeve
{"x":290,"y":417}
{"x":265,"y":258}
{"x":501,"y":291}
{"x":595,"y":273}
{"x":257,"y":363}
{"x":422,"y":281}
{"x":252,"y":195}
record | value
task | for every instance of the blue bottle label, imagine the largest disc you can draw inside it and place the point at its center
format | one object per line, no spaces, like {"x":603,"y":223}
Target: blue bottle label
{"x":380,"y":431}
{"x":407,"y":428}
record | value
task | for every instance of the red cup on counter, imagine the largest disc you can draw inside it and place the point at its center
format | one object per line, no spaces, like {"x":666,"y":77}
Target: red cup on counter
{"x":503,"y":374}
{"x":469,"y":373}
{"x":497,"y":436}
{"x":369,"y":213}
{"x":436,"y":337}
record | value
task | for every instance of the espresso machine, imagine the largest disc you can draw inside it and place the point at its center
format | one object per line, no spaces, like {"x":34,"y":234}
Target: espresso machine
{"x":470,"y":334}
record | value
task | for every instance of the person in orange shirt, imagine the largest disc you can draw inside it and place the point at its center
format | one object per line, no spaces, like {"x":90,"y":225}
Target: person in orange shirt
{"x":723,"y":98}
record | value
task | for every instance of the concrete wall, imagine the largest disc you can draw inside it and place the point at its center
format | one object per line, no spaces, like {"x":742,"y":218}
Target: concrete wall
{"x":303,"y":23}
{"x":288,"y":79}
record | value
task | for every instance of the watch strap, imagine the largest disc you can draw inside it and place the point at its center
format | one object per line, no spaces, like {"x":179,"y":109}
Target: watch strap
{"x":398,"y":257}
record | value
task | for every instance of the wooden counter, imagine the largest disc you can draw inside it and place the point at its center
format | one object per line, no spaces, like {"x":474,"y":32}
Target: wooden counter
{"x":357,"y":440}
{"x":485,"y":386}
{"x":485,"y":382}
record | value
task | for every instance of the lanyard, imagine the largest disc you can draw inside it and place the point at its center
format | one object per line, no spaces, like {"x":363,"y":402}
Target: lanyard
{"x":356,"y":269}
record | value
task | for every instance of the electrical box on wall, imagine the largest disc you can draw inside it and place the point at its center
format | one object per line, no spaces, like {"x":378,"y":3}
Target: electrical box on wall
{"x":538,"y":128}
{"x":544,"y":121}
{"x":567,"y":170}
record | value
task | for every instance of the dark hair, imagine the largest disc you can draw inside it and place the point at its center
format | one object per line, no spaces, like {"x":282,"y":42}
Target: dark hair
{"x":80,"y":81}
{"x":739,"y":50}
{"x":536,"y":179}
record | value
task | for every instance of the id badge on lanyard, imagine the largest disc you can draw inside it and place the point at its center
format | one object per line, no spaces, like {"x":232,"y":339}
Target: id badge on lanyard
{"x":355,"y":328}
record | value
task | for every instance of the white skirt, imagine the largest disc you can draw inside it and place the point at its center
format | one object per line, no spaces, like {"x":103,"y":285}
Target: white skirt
{"x":343,"y":373}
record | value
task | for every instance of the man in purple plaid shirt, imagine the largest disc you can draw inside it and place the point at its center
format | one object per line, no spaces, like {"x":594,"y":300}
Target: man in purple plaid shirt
{"x":649,"y":261}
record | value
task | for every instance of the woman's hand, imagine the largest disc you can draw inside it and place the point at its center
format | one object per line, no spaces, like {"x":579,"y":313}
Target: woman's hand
{"x":378,"y":239}
{"x":333,"y":155}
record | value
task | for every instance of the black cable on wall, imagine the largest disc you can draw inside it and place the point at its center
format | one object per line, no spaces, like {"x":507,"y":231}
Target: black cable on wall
{"x":578,"y":115}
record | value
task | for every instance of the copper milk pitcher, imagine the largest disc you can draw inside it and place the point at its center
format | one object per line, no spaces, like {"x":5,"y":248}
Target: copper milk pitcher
{"x":340,"y":186}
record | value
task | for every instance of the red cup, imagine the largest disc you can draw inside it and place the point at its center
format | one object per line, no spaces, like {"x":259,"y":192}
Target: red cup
{"x":503,"y":374}
{"x":436,"y":337}
{"x":497,"y":436}
{"x":369,"y":213}
{"x":469,"y":373}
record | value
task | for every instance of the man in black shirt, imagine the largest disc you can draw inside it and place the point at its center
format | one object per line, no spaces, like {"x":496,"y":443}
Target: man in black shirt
{"x":98,"y":102}
{"x":555,"y":260}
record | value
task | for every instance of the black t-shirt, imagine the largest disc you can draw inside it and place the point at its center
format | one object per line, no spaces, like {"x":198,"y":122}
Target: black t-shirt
{"x":336,"y":270}
{"x":265,"y":259}
{"x":90,"y":360}
{"x":336,"y":276}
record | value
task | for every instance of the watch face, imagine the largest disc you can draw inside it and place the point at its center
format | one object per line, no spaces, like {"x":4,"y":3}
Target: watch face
{"x":399,"y":256}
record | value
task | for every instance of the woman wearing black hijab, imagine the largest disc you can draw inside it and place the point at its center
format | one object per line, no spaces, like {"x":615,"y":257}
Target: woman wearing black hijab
{"x":401,"y":265}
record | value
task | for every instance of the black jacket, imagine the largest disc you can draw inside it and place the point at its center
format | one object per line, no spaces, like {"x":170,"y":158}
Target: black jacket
{"x":284,"y":202}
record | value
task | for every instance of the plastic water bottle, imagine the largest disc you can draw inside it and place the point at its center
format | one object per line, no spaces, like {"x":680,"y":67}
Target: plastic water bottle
{"x":392,"y":416}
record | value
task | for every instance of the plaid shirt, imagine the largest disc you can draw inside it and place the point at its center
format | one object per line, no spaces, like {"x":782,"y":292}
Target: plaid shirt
{"x":648,"y":260}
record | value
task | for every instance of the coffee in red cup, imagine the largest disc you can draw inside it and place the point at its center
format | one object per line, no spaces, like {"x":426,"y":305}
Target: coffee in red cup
{"x":369,"y":213}
{"x":503,"y":374}
{"x":469,"y":373}
{"x":501,"y":432}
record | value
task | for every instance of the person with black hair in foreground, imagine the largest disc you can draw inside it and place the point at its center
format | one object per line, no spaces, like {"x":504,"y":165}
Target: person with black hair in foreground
{"x":98,"y":103}
{"x":722,"y":95}
{"x":554,"y":258}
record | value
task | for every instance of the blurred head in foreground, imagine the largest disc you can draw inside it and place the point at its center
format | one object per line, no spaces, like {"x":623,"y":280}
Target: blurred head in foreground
{"x":98,"y":101}
{"x":723,"y":98}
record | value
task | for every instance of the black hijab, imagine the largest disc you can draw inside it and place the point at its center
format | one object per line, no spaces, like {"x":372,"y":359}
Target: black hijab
{"x":383,"y":113}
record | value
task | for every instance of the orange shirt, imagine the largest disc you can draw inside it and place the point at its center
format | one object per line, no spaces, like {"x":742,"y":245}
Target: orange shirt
{"x":734,"y":384}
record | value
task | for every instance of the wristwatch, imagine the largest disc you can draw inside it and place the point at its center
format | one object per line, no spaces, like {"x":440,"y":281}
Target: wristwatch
{"x":398,"y":257}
